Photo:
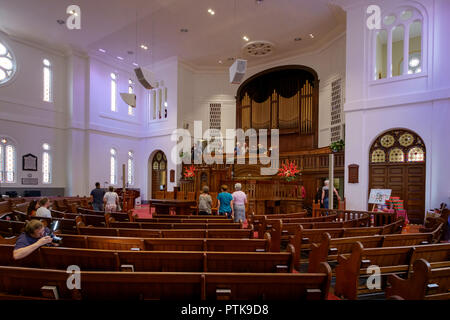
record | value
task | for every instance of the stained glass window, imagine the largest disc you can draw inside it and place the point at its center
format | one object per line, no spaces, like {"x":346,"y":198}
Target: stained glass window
{"x":416,"y":154}
{"x":396,"y":155}
{"x":378,"y":156}
{"x":130,"y":168}
{"x":7,"y":64}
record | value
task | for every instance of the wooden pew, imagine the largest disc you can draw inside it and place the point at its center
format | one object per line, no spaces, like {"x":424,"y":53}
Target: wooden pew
{"x":175,"y":217}
{"x":391,"y":260}
{"x":144,"y":225}
{"x":425,"y":283}
{"x":167,"y":244}
{"x":172,"y":233}
{"x":329,"y":249}
{"x":182,"y":220}
{"x":153,"y":261}
{"x":16,"y":281}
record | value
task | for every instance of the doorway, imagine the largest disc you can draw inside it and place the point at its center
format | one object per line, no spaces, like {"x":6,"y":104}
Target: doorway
{"x":397,"y":161}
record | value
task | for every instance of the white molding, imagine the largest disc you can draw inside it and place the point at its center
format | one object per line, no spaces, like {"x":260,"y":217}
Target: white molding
{"x":32,"y":120}
{"x":41,"y":106}
{"x":118,"y":118}
{"x":399,"y":100}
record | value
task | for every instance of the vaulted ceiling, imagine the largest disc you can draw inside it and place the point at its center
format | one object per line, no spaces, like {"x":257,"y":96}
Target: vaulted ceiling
{"x":120,"y":26}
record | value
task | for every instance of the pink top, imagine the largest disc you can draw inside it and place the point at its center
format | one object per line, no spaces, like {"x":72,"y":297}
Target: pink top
{"x":239,"y":197}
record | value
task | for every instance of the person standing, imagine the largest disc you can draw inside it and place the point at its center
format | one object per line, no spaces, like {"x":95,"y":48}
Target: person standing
{"x":225,"y":200}
{"x":97,"y":197}
{"x":111,"y":200}
{"x":325,"y":194}
{"x":204,"y":202}
{"x":239,"y":201}
{"x":43,"y":210}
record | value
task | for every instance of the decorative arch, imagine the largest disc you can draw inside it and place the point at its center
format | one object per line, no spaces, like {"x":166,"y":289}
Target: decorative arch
{"x":157,"y":173}
{"x":397,"y":161}
{"x":283,"y":98}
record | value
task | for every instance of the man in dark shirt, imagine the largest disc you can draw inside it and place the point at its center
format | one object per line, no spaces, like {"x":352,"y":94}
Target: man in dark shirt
{"x":35,"y":236}
{"x":97,"y":195}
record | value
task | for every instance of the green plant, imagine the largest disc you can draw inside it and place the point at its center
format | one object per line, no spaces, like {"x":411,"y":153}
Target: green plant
{"x":337,"y":146}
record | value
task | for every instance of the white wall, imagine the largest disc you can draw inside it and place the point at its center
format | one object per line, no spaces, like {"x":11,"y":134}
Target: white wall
{"x":29,"y":121}
{"x":420,"y":103}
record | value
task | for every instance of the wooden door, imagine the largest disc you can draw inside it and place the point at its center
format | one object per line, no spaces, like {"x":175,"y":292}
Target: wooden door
{"x":159,"y":173}
{"x":397,"y":162}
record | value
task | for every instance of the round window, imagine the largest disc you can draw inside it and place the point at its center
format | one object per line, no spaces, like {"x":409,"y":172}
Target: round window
{"x":7,"y":64}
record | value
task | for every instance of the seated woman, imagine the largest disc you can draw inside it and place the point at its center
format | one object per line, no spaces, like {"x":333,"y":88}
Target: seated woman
{"x":32,"y":208}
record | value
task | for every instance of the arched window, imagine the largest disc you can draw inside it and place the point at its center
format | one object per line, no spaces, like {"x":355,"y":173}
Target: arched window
{"x":397,"y":146}
{"x":416,"y":155}
{"x":113,"y":92}
{"x":399,"y":44}
{"x":7,"y":64}
{"x":113,"y":166}
{"x":8,"y":167}
{"x":130,"y":90}
{"x":130,"y":178}
{"x":46,"y":164}
{"x":47,"y":80}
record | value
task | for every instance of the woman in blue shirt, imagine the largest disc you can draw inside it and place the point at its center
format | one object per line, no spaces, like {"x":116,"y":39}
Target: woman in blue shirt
{"x":225,"y":202}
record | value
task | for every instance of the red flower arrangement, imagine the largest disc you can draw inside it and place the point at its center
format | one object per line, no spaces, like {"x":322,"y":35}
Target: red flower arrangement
{"x":189,"y":173}
{"x":289,"y":171}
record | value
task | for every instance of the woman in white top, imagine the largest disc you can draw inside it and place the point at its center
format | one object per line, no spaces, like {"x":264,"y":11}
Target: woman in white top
{"x":111,"y":200}
{"x":43,"y":210}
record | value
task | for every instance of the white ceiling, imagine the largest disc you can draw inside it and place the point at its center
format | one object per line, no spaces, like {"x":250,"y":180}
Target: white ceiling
{"x":111,"y":25}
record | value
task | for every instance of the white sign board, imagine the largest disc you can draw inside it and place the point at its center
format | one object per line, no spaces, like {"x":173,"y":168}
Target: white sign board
{"x":379,"y":196}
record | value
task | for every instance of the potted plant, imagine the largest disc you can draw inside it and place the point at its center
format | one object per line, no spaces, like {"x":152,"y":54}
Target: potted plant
{"x":189,"y":173}
{"x":289,"y":171}
{"x":337,"y":146}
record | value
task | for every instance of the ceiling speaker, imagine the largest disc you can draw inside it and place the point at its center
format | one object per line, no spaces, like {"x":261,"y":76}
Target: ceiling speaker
{"x":129,"y":98}
{"x":145,"y":77}
{"x":237,"y":71}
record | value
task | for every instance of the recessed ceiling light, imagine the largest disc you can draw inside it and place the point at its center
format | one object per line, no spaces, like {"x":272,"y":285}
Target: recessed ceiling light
{"x":102,"y":50}
{"x":135,"y":64}
{"x":220,"y":61}
{"x":120,"y":58}
{"x":298,"y":39}
{"x":211,"y":12}
{"x":311,"y":36}
{"x":143,"y":46}
{"x":74,"y":13}
{"x":184,"y":30}
{"x":245,"y":38}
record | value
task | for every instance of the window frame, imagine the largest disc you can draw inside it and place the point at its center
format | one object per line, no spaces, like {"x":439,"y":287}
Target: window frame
{"x":113,"y":81}
{"x":50,"y":81}
{"x":9,"y":79}
{"x":115,"y":168}
{"x":419,"y":14}
{"x":50,"y":164}
{"x":3,"y":161}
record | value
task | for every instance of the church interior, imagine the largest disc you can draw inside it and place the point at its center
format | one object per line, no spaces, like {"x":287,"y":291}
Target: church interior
{"x":231,"y":150}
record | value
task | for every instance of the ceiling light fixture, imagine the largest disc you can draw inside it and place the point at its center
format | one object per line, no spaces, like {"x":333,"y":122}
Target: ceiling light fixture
{"x":74,"y":13}
{"x":143,"y":46}
{"x":245,"y":38}
{"x":184,"y":30}
{"x":102,"y":50}
{"x":211,"y":12}
{"x":120,"y":58}
{"x":311,"y":36}
{"x":220,"y":61}
{"x":135,"y":64}
{"x":298,"y":39}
